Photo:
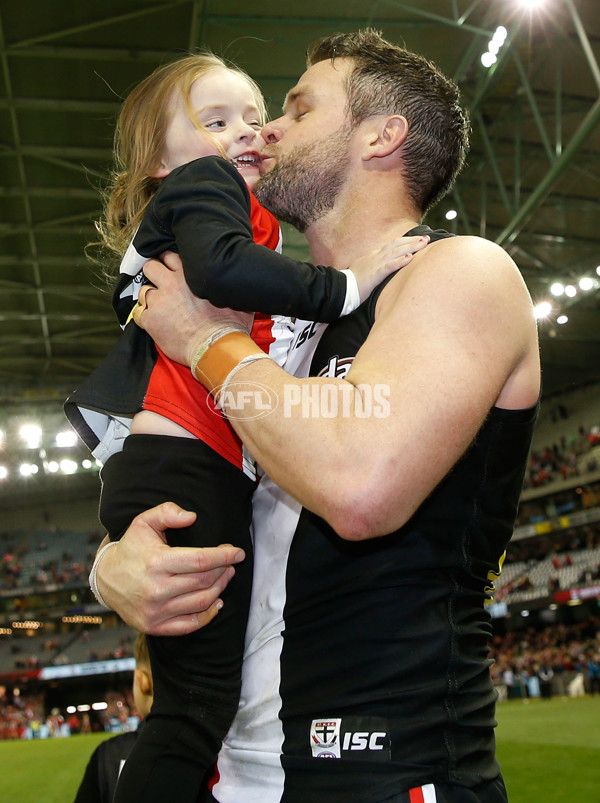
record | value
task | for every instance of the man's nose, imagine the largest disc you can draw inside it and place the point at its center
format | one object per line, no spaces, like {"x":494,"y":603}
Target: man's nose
{"x":273,"y":131}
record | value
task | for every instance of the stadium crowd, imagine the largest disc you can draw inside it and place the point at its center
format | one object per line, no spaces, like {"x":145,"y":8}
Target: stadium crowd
{"x":557,"y":660}
{"x":25,"y":717}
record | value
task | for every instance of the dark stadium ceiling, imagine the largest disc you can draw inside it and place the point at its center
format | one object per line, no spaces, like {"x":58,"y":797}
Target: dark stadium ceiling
{"x":532,"y":182}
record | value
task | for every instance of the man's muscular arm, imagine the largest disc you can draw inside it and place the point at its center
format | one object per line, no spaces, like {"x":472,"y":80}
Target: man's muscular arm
{"x":454,"y":335}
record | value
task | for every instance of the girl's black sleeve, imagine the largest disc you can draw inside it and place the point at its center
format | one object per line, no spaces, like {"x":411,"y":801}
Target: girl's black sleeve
{"x":202,"y":210}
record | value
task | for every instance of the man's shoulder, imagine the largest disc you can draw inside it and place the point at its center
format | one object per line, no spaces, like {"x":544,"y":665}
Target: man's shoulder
{"x":449,"y":258}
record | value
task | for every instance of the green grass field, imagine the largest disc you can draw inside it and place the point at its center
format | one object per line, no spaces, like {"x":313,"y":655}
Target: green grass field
{"x":549,"y":751}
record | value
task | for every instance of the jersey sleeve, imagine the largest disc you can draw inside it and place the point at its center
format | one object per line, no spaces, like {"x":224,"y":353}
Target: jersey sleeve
{"x":205,"y":206}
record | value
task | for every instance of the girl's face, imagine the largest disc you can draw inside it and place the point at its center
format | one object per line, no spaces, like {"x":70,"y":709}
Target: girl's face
{"x":224,"y":105}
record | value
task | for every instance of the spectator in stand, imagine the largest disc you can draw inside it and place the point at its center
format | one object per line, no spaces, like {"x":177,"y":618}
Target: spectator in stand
{"x":545,"y":674}
{"x":594,"y":673}
{"x":103,"y":769}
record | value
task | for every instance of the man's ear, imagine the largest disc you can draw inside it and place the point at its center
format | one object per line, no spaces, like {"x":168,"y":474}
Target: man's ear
{"x":384,"y":136}
{"x":144,"y":681}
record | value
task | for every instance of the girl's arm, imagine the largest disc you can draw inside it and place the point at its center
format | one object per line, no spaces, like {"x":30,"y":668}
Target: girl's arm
{"x":205,"y":207}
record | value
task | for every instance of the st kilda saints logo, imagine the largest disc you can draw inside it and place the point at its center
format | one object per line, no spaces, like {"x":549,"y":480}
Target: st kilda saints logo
{"x":366,"y":738}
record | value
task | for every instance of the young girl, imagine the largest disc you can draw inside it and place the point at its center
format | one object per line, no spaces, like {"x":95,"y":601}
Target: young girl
{"x":155,"y":428}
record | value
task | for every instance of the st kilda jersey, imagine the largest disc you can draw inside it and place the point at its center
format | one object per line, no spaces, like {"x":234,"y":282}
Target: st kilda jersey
{"x":366,"y":669}
{"x":228,"y":244}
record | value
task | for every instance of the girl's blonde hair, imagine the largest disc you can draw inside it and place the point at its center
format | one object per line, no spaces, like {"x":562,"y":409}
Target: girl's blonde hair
{"x":139,"y":143}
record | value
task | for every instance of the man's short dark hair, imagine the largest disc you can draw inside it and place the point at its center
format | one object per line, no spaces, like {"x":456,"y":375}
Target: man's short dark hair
{"x":388,"y":79}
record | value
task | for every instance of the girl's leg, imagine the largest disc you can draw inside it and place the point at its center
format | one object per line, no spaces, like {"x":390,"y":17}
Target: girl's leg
{"x":196,"y":677}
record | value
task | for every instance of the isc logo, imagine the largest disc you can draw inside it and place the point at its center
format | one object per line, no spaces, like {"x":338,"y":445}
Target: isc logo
{"x":362,"y":740}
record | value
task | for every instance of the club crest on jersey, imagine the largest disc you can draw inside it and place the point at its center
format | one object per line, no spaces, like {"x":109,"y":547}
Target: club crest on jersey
{"x":325,"y":738}
{"x":337,"y":367}
{"x":366,"y":738}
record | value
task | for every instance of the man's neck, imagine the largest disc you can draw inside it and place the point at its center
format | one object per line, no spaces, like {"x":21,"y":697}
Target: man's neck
{"x":338,"y":243}
{"x":359,"y":223}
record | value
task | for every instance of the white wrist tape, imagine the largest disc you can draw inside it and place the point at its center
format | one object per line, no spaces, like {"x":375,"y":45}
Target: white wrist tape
{"x":93,"y":579}
{"x":204,"y":347}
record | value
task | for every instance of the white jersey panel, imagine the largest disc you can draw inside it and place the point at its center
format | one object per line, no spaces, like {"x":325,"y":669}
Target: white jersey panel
{"x":249,"y":762}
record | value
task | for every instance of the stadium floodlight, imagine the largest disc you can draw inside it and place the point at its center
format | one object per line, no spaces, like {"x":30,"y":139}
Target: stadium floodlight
{"x":542,"y":310}
{"x":586,"y":283}
{"x":32,"y":435}
{"x":68,"y":466}
{"x":532,"y":4}
{"x":562,"y":319}
{"x":451,"y":214}
{"x":66,"y":438}
{"x":27,"y":469}
{"x":3,"y":472}
{"x":557,"y":289}
{"x":571,"y":291}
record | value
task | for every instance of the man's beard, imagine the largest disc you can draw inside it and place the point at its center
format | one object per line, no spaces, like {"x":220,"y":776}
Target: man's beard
{"x":305,"y":184}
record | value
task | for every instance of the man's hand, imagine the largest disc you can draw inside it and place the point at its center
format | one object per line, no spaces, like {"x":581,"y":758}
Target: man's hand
{"x":177,"y":320}
{"x":162,"y":590}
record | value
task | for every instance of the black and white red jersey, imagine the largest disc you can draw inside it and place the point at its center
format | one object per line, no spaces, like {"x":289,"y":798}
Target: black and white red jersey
{"x":366,"y":669}
{"x":228,"y":243}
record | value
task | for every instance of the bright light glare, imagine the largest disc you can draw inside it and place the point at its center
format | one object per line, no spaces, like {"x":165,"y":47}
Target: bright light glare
{"x":32,"y":435}
{"x":500,"y":35}
{"x":542,"y":310}
{"x":487,"y":59}
{"x":532,"y":3}
{"x":598,"y":270}
{"x":562,"y":319}
{"x":3,"y":472}
{"x":570,"y":291}
{"x":99,"y":706}
{"x":451,"y":214}
{"x":53,"y":466}
{"x":557,"y":289}
{"x":68,"y":466}
{"x":586,"y":283}
{"x":27,"y":469}
{"x":86,"y":463}
{"x":66,"y":438}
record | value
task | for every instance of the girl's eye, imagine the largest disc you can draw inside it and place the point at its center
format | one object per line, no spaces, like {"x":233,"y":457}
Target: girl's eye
{"x":216,"y":124}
